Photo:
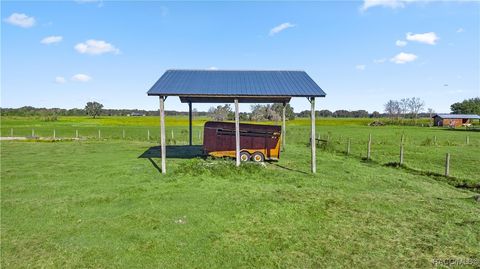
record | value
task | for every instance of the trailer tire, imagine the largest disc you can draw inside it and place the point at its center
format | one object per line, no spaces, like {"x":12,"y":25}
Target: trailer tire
{"x":258,"y":157}
{"x":244,"y":156}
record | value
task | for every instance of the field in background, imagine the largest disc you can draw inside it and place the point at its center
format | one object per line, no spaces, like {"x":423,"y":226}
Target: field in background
{"x":425,"y":147}
{"x":95,"y":203}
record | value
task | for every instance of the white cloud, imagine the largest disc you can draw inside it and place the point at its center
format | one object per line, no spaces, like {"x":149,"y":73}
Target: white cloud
{"x":212,"y":68}
{"x":401,"y":43}
{"x":277,"y":29}
{"x":427,"y":38}
{"x":81,"y":78}
{"x":460,"y":30}
{"x":60,"y":80}
{"x":379,"y":61}
{"x":96,"y":47}
{"x":51,"y":39}
{"x":403,"y":57}
{"x":20,"y":19}
{"x":360,"y":67}
{"x":382,"y":3}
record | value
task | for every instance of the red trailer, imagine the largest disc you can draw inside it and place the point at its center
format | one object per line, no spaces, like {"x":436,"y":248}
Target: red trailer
{"x":257,"y":142}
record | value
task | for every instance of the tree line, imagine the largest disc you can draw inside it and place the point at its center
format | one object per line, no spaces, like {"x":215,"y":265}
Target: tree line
{"x":412,"y":108}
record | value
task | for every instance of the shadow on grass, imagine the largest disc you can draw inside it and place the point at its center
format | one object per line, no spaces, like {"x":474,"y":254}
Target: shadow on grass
{"x":289,"y":169}
{"x":456,"y":182}
{"x":173,"y":151}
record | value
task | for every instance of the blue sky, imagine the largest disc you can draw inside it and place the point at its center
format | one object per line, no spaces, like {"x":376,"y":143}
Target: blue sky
{"x":64,"y":54}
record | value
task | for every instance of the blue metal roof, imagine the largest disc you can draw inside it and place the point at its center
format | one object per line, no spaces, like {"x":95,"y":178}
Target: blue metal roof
{"x":457,"y":116}
{"x":216,"y":83}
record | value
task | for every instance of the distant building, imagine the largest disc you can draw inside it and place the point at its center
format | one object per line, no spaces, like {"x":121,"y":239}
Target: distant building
{"x":454,"y":120}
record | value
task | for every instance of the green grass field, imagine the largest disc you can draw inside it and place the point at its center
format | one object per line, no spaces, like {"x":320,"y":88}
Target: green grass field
{"x":95,"y":203}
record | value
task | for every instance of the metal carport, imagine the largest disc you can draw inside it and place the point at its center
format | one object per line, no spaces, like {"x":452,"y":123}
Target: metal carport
{"x":235,"y":86}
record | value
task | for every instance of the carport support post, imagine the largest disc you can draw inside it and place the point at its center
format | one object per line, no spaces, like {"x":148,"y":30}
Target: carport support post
{"x":190,"y":121}
{"x":283,"y":126}
{"x":162,"y":134}
{"x":237,"y":134}
{"x":312,"y":136}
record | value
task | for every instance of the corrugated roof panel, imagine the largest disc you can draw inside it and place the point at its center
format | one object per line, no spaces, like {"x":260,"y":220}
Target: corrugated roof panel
{"x":458,"y":116}
{"x":236,"y":83}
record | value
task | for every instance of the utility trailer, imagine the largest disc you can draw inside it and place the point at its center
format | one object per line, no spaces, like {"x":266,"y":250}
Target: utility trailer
{"x":257,"y":142}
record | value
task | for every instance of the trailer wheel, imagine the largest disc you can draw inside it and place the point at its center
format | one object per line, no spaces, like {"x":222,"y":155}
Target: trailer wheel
{"x":244,"y":156}
{"x":258,"y":157}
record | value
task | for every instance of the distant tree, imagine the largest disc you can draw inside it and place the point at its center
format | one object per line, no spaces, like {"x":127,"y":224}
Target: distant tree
{"x":430,"y":112}
{"x":289,"y":114}
{"x":264,"y":112}
{"x":375,"y":114}
{"x":341,"y":113}
{"x":468,"y":106}
{"x":404,"y":105}
{"x":416,"y":105}
{"x":359,"y":114}
{"x":93,"y":109}
{"x":220,"y":113}
{"x":393,"y":109}
{"x":304,"y":114}
{"x":324,"y":113}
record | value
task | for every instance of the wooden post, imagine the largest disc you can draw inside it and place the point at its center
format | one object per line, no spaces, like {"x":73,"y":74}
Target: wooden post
{"x":401,"y":153}
{"x":348,"y":146}
{"x":190,"y":123}
{"x":237,"y":134}
{"x":369,"y":146}
{"x":284,"y":128}
{"x":123,"y":134}
{"x":162,"y":134}
{"x":312,"y":136}
{"x":148,"y":134}
{"x":447,"y":164}
{"x":76,"y":133}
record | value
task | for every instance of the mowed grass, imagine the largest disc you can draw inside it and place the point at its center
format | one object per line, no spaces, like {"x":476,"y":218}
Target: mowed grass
{"x":95,"y":203}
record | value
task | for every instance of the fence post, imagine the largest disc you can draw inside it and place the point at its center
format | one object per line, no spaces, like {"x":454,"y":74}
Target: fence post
{"x":447,"y":164}
{"x":401,"y":154}
{"x":76,"y":133}
{"x":11,"y":132}
{"x":467,"y":140}
{"x":148,"y":134}
{"x":369,"y":146}
{"x":348,"y":146}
